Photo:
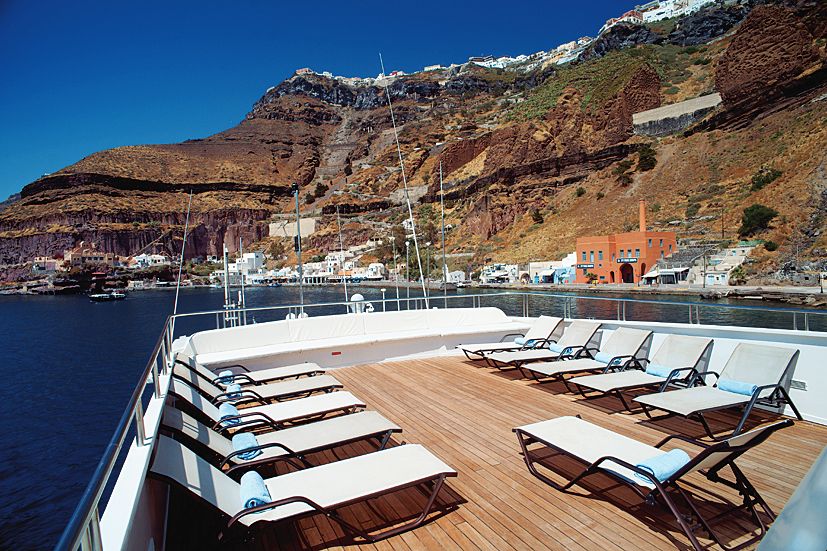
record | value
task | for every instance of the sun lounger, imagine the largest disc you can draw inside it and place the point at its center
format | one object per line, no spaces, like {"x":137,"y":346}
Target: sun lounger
{"x":261,"y":394}
{"x":546,"y":329}
{"x":677,"y":359}
{"x":270,"y":416}
{"x":626,"y":461}
{"x":622,"y":348}
{"x":291,"y":444}
{"x":244,"y":377}
{"x":579,"y":335}
{"x":754,"y":374}
{"x":322,"y":489}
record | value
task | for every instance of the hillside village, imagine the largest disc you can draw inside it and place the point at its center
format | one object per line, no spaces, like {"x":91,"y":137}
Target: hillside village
{"x":623,"y":115}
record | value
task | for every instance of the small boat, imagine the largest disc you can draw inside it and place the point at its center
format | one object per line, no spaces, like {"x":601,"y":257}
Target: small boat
{"x":274,"y":284}
{"x":107,"y":296}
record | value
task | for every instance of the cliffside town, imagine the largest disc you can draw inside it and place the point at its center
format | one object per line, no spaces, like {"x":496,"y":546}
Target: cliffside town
{"x":535,"y":151}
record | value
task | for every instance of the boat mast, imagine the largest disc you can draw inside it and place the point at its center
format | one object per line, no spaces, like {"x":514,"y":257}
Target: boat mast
{"x":405,"y":184}
{"x":226,"y":285}
{"x":342,"y":255}
{"x":242,"y":299}
{"x":299,"y":250}
{"x":444,"y":265}
{"x":181,"y":264}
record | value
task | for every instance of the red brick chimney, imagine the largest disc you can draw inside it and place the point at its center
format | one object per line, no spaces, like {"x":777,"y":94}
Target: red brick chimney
{"x":643,"y":215}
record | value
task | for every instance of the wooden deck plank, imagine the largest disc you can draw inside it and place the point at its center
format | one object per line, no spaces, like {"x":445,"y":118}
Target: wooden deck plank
{"x":464,"y":414}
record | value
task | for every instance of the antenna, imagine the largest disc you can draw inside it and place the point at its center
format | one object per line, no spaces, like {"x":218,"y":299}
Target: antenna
{"x":181,"y":263}
{"x":405,"y":184}
{"x":444,"y":265}
{"x":342,"y":255}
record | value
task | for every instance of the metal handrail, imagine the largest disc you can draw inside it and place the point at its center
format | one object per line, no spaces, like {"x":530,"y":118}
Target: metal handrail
{"x":83,"y":529}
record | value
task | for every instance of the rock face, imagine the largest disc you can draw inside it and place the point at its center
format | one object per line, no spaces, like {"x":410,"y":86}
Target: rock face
{"x":770,"y":48}
{"x":670,"y":119}
{"x":707,"y":24}
{"x":619,"y":37}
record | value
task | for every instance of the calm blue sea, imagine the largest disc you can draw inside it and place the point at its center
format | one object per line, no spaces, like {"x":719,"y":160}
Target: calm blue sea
{"x":71,"y":364}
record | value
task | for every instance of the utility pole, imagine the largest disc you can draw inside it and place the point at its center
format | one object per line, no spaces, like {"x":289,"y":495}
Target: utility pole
{"x":395,"y":270}
{"x":722,"y":222}
{"x":298,"y":246}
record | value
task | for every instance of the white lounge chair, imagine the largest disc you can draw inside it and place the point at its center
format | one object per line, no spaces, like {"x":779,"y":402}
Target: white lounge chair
{"x":624,"y":347}
{"x":622,"y":458}
{"x":291,"y":444}
{"x":270,"y":416}
{"x":677,"y":359}
{"x":546,"y":329}
{"x":322,"y":489}
{"x":244,"y":376}
{"x":579,"y":335}
{"x":261,"y":394}
{"x":754,"y":374}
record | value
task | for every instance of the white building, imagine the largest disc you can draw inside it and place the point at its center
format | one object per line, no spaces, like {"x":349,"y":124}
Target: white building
{"x":146,"y":260}
{"x":457,"y":276}
{"x":499,"y":273}
{"x":375,"y":271}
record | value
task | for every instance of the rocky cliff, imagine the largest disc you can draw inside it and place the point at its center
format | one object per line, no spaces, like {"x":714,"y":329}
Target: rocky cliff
{"x":555,"y":142}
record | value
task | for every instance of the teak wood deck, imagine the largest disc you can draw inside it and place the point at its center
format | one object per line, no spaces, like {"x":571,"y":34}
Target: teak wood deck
{"x":464,"y":413}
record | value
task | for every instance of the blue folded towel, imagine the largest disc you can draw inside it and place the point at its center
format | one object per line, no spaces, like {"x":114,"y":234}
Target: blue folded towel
{"x":554,"y":347}
{"x":738,"y":387}
{"x":233,"y":391}
{"x":519,"y":340}
{"x":225,"y":410}
{"x":244,"y":441}
{"x":663,"y":466}
{"x":607,"y":359}
{"x":658,"y":370}
{"x":225,"y":377}
{"x":253,"y":490}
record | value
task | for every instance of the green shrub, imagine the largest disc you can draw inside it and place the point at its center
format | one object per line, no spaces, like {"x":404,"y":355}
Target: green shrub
{"x":656,"y":207}
{"x":756,"y":218}
{"x":600,"y":195}
{"x":309,"y":198}
{"x":537,"y":216}
{"x":580,"y":192}
{"x":646,"y":158}
{"x":320,"y":190}
{"x":763,"y":177}
{"x":692,"y":209}
{"x":621,"y":171}
{"x":771,"y":245}
{"x":671,"y":90}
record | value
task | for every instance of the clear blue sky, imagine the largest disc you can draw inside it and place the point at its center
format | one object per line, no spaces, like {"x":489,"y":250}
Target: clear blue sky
{"x":77,"y":77}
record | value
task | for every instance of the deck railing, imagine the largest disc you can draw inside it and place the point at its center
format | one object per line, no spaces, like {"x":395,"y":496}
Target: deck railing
{"x":83,"y":530}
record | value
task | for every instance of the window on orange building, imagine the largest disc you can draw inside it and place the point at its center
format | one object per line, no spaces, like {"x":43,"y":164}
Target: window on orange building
{"x":600,"y":255}
{"x":584,"y":256}
{"x":637,"y":253}
{"x":649,"y":244}
{"x":591,"y":257}
{"x":621,"y":253}
{"x":661,"y":243}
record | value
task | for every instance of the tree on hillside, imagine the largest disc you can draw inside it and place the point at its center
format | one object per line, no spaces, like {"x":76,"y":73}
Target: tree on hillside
{"x":646,"y":158}
{"x":320,"y":190}
{"x":622,"y":172}
{"x":756,"y":218}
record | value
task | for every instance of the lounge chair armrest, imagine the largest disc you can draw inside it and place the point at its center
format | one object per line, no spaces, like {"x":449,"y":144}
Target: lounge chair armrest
{"x":576,"y":352}
{"x":273,"y":505}
{"x":683,"y":438}
{"x":512,"y":335}
{"x":247,"y":395}
{"x":239,"y":366}
{"x":252,"y":448}
{"x":631,"y":363}
{"x":536,"y":343}
{"x":246,"y":419}
{"x":762,"y":388}
{"x":700,"y":377}
{"x":673,"y":377}
{"x":237,"y":378}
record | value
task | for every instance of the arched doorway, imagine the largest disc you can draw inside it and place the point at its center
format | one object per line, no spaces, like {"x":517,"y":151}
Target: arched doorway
{"x":627,"y":273}
{"x":612,"y":276}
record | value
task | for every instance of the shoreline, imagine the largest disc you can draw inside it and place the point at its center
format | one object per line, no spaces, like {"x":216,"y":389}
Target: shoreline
{"x":812,"y":297}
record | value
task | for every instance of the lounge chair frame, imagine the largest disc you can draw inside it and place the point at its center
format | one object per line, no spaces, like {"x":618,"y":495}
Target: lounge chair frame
{"x":247,"y":396}
{"x":253,"y":420}
{"x":480,"y":355}
{"x":538,"y":344}
{"x":234,"y":528}
{"x":297,"y":459}
{"x":778,"y":398}
{"x":241,"y":378}
{"x":332,"y":513}
{"x":751,"y":498}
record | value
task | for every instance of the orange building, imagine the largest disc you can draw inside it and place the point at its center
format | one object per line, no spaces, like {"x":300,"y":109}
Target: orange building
{"x":623,"y":257}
